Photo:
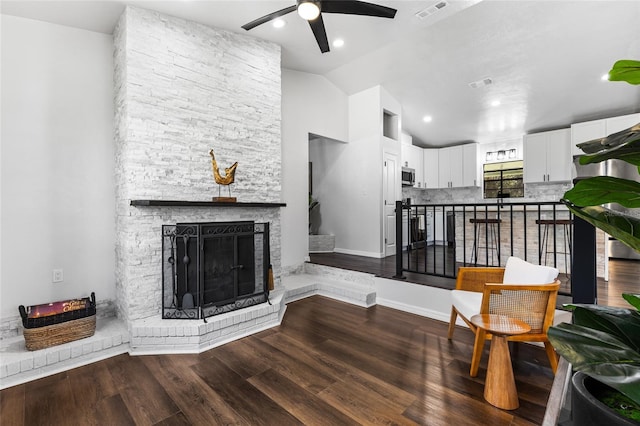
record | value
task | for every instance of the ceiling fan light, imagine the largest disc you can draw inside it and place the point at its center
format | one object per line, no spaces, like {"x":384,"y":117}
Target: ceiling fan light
{"x":308,"y":10}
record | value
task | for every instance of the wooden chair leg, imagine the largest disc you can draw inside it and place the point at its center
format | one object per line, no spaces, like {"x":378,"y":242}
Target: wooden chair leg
{"x":452,"y":322}
{"x":478,"y":346}
{"x":553,"y":358}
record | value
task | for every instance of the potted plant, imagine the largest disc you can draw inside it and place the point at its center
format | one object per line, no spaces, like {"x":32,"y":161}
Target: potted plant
{"x":313,"y":203}
{"x":603,"y":343}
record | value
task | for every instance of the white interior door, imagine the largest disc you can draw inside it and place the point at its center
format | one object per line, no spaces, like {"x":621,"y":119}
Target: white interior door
{"x":391,"y":194}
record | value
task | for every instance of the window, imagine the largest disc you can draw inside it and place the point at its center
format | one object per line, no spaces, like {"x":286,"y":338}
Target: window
{"x":503,"y":180}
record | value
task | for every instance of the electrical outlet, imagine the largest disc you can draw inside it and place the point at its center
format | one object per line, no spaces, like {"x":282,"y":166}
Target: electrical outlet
{"x":58,"y":276}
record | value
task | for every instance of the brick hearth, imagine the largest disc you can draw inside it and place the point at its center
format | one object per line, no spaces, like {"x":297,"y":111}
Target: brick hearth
{"x":154,"y":335}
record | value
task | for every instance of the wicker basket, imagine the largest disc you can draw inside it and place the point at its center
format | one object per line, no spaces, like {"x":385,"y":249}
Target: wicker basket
{"x":57,"y":334}
{"x":44,"y":332}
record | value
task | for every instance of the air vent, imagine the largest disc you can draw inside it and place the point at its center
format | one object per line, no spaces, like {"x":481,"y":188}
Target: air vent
{"x":428,"y":11}
{"x":481,"y":83}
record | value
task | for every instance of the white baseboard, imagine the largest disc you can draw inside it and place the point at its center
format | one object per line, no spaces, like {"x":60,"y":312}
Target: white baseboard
{"x":413,"y":309}
{"x":359,"y":253}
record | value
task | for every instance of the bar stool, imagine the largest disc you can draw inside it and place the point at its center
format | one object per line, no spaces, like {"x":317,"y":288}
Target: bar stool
{"x":491,"y":243}
{"x":544,"y":249}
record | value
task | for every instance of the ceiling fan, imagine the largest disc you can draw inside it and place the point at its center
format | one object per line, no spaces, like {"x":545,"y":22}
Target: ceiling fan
{"x":312,"y":10}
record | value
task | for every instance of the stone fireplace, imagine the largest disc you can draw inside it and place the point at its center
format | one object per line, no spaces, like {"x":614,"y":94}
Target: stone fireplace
{"x":183,"y":88}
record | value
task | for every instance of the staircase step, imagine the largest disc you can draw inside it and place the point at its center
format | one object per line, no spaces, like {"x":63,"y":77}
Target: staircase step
{"x":348,"y":286}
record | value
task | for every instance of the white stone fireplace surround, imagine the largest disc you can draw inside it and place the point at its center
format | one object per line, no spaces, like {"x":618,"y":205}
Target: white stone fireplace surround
{"x":182,"y":88}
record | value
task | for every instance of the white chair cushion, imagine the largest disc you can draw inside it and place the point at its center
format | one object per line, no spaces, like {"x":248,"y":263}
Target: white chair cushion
{"x":517,"y":271}
{"x":467,"y":303}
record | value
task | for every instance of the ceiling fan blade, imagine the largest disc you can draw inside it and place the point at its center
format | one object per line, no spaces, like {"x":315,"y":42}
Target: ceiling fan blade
{"x":353,"y":7}
{"x":317,"y":26}
{"x":269,"y":17}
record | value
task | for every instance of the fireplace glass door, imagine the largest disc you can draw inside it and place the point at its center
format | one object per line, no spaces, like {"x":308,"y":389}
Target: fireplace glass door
{"x":211,"y":268}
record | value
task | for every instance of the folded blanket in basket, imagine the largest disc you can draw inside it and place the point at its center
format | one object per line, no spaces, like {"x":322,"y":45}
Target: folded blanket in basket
{"x":57,"y":312}
{"x":54,"y":308}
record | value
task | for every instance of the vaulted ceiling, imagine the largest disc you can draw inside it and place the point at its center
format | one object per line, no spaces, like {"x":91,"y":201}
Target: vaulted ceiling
{"x":545,"y":59}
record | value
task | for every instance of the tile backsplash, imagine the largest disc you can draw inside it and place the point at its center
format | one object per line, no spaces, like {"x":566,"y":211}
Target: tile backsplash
{"x":534,"y":192}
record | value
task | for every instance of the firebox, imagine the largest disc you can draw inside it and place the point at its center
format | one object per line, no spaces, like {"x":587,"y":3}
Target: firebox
{"x":212,"y":268}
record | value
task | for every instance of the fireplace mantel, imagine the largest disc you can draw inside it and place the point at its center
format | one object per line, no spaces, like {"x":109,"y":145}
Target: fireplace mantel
{"x":180,"y":203}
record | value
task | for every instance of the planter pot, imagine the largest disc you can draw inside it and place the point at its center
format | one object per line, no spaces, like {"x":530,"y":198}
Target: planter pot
{"x":586,"y":409}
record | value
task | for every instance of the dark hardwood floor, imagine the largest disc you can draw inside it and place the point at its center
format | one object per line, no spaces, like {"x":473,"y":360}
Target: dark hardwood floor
{"x":328,"y":363}
{"x":623,"y":275}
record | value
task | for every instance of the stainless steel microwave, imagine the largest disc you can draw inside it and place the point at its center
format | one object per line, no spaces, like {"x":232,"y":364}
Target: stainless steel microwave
{"x":408,"y":176}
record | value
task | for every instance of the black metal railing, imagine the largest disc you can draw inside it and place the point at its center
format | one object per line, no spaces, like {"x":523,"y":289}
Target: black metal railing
{"x":435,"y":239}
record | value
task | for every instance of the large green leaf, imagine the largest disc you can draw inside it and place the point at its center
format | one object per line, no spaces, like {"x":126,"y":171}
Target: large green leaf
{"x":584,"y":346}
{"x":625,"y":70}
{"x":621,"y":323}
{"x":633,"y":299}
{"x":623,"y":145}
{"x":621,"y":226}
{"x":599,"y":190}
{"x":600,"y":355}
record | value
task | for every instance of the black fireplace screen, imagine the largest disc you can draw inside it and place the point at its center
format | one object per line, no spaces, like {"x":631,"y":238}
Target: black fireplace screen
{"x":212,"y":268}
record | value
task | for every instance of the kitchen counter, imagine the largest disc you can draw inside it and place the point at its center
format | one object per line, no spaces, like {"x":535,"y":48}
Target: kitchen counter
{"x":506,"y":208}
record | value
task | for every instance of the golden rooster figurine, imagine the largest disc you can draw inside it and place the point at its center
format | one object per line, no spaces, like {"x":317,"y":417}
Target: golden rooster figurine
{"x":227,"y":179}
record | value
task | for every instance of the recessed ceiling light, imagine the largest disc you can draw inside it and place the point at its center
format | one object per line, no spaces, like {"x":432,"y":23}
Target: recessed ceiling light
{"x":427,"y":119}
{"x":279,"y":23}
{"x":495,"y":103}
{"x":605,"y":77}
{"x":338,"y":42}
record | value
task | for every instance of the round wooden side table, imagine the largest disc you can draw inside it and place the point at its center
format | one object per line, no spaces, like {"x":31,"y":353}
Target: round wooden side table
{"x":500,"y":385}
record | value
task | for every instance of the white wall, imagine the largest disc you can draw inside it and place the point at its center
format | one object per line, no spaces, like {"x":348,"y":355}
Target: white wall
{"x":348,"y":176}
{"x":57,"y":164}
{"x":358,"y":178}
{"x":431,"y":302}
{"x":351,"y":180}
{"x":358,"y":174}
{"x":310,"y":104}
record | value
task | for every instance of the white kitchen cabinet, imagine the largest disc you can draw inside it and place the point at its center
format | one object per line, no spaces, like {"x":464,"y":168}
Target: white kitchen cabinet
{"x":450,"y":167}
{"x":470,"y":165}
{"x":582,"y":132}
{"x":618,"y":124}
{"x":412,"y":157}
{"x":547,"y":156}
{"x":444,"y":172}
{"x":430,"y":168}
{"x":458,"y":166}
{"x":417,"y":156}
{"x":455,"y":166}
{"x":589,"y":130}
{"x":406,"y":138}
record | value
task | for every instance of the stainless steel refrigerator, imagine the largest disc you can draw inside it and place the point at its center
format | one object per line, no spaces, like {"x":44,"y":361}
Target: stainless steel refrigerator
{"x":615,"y":168}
